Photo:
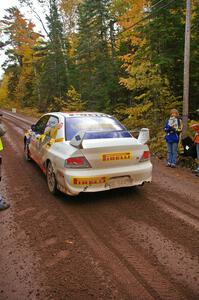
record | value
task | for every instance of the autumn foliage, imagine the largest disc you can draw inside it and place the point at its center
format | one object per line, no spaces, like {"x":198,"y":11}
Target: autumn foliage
{"x":124,"y":57}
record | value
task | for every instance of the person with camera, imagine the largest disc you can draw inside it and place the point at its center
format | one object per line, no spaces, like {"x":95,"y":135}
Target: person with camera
{"x":173,"y":128}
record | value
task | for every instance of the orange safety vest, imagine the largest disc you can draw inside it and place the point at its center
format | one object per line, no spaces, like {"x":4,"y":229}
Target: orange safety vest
{"x":196,"y":138}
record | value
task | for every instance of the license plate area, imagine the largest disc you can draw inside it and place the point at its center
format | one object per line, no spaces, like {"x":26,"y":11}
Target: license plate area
{"x":120,"y":181}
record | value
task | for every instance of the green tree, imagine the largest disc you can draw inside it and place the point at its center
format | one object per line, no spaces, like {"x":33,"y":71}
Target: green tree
{"x":97,"y":64}
{"x":70,"y":102}
{"x":74,"y":101}
{"x":147,"y":66}
{"x":194,"y":74}
{"x":20,"y":39}
{"x":53,"y":78}
{"x":152,"y":98}
{"x":165,"y":39}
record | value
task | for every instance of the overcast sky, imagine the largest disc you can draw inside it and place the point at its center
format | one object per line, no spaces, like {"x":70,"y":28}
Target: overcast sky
{"x":9,"y":3}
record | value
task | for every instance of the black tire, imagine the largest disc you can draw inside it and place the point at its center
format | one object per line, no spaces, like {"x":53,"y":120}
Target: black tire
{"x":51,"y":180}
{"x":27,"y":152}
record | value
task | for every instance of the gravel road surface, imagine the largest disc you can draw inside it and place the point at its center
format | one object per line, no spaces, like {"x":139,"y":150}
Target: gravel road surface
{"x":132,"y":243}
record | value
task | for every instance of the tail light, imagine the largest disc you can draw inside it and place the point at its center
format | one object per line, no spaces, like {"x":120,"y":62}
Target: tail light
{"x":77,"y":162}
{"x":145,"y":155}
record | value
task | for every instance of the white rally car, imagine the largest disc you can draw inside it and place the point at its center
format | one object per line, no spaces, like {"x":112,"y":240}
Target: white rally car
{"x":87,"y":152}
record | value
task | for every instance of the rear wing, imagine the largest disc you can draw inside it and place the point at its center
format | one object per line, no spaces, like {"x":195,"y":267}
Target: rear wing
{"x":144,"y":136}
{"x":78,"y":139}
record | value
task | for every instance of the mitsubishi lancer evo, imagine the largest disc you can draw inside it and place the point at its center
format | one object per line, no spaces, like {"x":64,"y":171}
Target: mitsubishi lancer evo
{"x":87,"y":152}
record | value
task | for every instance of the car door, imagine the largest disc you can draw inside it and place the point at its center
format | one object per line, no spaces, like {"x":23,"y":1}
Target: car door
{"x":37,"y":136}
{"x":51,"y":127}
{"x":48,"y":138}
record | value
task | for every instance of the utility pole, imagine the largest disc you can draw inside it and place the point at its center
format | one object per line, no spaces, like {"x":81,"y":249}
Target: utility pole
{"x":186,"y":68}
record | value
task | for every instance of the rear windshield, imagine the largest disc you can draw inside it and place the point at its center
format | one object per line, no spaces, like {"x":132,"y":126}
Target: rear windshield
{"x":96,"y":127}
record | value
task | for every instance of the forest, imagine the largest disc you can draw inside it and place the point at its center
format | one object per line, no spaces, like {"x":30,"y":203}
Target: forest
{"x":123,"y":57}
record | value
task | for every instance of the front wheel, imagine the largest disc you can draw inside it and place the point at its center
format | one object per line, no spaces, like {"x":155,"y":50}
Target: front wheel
{"x":51,"y":180}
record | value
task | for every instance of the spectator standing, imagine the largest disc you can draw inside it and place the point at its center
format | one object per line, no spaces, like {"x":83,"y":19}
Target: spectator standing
{"x":173,"y":128}
{"x":196,"y":141}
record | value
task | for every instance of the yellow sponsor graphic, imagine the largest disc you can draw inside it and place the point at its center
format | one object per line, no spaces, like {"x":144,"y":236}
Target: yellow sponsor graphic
{"x":88,"y":181}
{"x":1,"y":145}
{"x":59,"y":140}
{"x":117,"y":156}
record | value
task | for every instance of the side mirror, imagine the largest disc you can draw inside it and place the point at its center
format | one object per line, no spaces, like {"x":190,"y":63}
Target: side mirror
{"x":143,"y":137}
{"x":33,"y":127}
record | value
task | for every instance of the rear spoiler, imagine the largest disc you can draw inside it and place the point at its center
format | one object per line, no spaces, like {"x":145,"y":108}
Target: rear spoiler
{"x":78,"y":139}
{"x":144,"y":136}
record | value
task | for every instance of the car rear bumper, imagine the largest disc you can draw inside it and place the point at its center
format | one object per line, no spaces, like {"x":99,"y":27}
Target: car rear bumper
{"x":75,"y":181}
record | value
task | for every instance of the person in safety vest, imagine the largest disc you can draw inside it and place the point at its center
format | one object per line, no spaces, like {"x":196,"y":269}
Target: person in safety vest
{"x":173,"y":128}
{"x":3,"y":204}
{"x":196,"y":141}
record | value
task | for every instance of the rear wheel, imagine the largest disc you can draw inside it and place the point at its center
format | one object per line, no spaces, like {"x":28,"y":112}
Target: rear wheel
{"x":27,"y":152}
{"x":51,"y":180}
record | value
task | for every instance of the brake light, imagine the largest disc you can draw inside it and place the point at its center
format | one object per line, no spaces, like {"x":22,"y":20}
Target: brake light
{"x":145,"y":155}
{"x":77,"y":162}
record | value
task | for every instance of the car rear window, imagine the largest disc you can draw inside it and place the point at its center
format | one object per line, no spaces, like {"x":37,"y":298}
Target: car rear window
{"x":96,"y":127}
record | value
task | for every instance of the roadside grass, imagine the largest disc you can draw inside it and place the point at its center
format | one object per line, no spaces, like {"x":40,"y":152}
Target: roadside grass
{"x":27,"y":111}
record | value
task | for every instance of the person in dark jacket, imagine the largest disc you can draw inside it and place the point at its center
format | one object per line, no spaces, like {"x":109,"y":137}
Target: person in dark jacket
{"x":3,"y":204}
{"x":196,"y":142}
{"x":173,"y":128}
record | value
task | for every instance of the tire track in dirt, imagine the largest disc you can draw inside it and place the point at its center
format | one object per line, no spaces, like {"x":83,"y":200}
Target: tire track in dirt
{"x":175,"y":197}
{"x":181,"y":210}
{"x":111,"y":259}
{"x":113,"y":245}
{"x":17,"y":124}
{"x":181,"y":202}
{"x":187,"y":261}
{"x":15,"y":117}
{"x":186,"y":210}
{"x":179,"y":181}
{"x":123,"y":239}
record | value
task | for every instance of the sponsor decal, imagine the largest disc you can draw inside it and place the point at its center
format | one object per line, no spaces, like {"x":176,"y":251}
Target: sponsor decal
{"x":117,"y":156}
{"x":1,"y":145}
{"x":59,"y":140}
{"x":88,"y":181}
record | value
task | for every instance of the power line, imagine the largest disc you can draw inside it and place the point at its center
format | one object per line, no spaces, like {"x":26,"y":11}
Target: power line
{"x":150,"y":8}
{"x":156,"y":4}
{"x":141,"y":20}
{"x":147,"y":17}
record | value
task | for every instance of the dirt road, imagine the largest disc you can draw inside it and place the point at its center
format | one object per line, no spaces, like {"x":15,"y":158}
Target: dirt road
{"x":139,"y":243}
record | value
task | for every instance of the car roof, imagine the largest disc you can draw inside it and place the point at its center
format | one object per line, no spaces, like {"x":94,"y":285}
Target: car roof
{"x":78,"y":114}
